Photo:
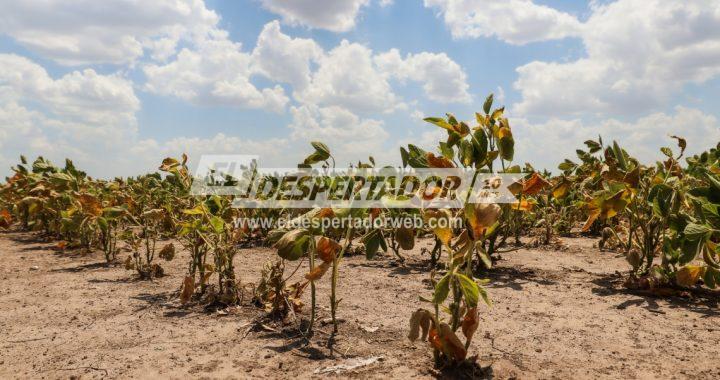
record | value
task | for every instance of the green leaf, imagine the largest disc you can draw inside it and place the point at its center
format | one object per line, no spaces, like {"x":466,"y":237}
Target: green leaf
{"x":619,"y":156}
{"x":197,"y":210}
{"x":321,"y":148}
{"x":480,"y":146}
{"x":447,"y":151}
{"x":103,"y":223}
{"x":470,"y":289}
{"x":373,"y":240}
{"x":666,"y":151}
{"x":217,"y":224}
{"x":488,"y":104}
{"x":442,"y":288}
{"x":440,"y":122}
{"x":694,"y":231}
{"x":507,"y":148}
{"x":484,"y":257}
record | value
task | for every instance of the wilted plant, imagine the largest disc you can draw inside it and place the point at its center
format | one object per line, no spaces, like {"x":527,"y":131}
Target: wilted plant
{"x":457,"y":285}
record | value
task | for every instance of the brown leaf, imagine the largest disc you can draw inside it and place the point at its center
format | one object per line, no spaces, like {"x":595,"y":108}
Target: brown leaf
{"x":535,"y":184}
{"x":446,"y":341}
{"x":470,"y":323}
{"x":405,"y":237}
{"x":326,"y":213}
{"x":188,"y":288}
{"x":420,"y":320}
{"x":438,"y":161}
{"x":5,"y":218}
{"x":167,"y":253}
{"x":318,"y":272}
{"x":90,"y":204}
{"x":327,"y":249}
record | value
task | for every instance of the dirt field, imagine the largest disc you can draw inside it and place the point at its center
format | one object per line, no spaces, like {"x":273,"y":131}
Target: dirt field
{"x":556,"y":315}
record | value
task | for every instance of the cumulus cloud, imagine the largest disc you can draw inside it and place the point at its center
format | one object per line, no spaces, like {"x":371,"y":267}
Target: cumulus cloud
{"x":352,"y":138}
{"x":336,"y":15}
{"x":514,"y":21}
{"x":285,"y":59}
{"x":83,"y":113}
{"x":639,"y":53}
{"x":216,"y":72}
{"x":546,"y":144}
{"x":347,"y":77}
{"x":443,"y":79}
{"x":118,"y":32}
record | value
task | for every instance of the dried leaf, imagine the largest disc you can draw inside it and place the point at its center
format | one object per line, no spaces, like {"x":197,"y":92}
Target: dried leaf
{"x":482,"y":216}
{"x":470,"y":323}
{"x":535,"y":184}
{"x":188,"y":288}
{"x":327,"y":249}
{"x":5,"y":218}
{"x":446,"y":341}
{"x":689,"y":275}
{"x":419,"y":321}
{"x":90,"y":204}
{"x":405,"y":237}
{"x":318,"y":272}
{"x":438,"y":162}
{"x":167,"y":253}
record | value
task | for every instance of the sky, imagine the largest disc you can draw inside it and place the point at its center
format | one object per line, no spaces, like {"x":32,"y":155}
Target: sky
{"x":117,"y":85}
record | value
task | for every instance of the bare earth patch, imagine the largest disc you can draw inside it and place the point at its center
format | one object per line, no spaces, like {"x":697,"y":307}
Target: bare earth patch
{"x":556,"y":315}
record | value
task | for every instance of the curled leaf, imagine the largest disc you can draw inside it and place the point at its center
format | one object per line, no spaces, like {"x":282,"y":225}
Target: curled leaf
{"x":405,"y":237}
{"x":167,"y":253}
{"x":327,"y":249}
{"x":470,"y":323}
{"x":318,"y":272}
{"x":445,"y":340}
{"x":188,"y":288}
{"x":293,"y":245}
{"x":535,"y":184}
{"x":419,"y":322}
{"x":439,"y":161}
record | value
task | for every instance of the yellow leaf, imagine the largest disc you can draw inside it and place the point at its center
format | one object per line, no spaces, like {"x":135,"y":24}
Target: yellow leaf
{"x":689,"y":275}
{"x":439,"y":221}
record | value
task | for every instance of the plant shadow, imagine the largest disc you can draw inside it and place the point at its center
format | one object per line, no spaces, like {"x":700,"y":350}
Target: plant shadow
{"x":469,"y":369}
{"x":85,"y":267}
{"x":515,"y":278}
{"x":696,"y":300}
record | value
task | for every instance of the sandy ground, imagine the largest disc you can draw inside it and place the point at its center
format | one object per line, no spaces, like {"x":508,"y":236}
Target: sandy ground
{"x":557,"y":314}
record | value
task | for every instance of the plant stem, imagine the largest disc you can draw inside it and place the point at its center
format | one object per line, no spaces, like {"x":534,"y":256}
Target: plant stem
{"x":333,"y":288}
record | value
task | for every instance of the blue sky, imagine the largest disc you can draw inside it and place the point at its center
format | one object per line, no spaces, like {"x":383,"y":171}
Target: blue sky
{"x":118,"y":85}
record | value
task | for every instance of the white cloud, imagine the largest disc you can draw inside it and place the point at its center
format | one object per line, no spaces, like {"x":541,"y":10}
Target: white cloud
{"x":547,"y":144}
{"x":443,"y":79}
{"x":272,"y":151}
{"x":82,"y":114}
{"x":285,"y":59}
{"x":218,"y":72}
{"x":351,"y":137}
{"x":513,"y":21}
{"x":80,"y":96}
{"x":347,"y":77}
{"x":110,"y":31}
{"x":639,"y":53}
{"x":336,"y":15}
